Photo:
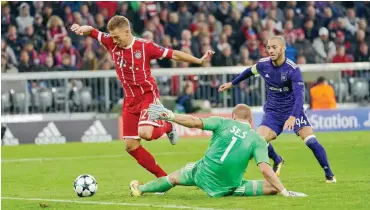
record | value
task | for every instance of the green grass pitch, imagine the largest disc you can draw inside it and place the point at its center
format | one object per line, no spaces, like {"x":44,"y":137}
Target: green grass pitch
{"x":49,"y":179}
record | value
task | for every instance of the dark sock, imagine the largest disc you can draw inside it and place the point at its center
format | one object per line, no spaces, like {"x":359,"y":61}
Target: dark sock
{"x":320,"y":154}
{"x":273,"y":155}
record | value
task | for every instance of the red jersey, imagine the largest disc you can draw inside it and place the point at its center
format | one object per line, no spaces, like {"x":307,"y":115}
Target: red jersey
{"x":133,"y":62}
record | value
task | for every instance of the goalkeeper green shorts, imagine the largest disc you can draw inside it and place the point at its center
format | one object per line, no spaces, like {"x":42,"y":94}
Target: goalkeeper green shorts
{"x":189,"y":174}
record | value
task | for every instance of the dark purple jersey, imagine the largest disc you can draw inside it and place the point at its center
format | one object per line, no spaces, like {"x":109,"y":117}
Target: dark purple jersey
{"x":284,"y":86}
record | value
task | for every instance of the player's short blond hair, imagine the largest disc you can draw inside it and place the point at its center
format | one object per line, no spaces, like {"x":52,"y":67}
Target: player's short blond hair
{"x":280,"y":39}
{"x":243,"y":112}
{"x":118,"y":21}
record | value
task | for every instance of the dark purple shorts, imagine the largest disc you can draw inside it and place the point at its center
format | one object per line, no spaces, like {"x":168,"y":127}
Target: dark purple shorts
{"x":276,"y":122}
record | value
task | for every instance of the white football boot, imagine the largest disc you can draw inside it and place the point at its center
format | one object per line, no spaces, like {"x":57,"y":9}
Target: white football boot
{"x":173,"y":136}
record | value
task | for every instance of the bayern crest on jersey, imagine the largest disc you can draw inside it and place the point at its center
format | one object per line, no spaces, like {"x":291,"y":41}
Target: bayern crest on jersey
{"x":138,"y":54}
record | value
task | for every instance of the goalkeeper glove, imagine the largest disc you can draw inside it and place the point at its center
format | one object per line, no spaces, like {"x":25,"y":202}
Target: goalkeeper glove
{"x":286,"y":193}
{"x":159,"y":112}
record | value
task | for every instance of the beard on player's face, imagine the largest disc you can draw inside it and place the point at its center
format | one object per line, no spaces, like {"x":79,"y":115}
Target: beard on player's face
{"x":276,"y":57}
{"x":275,"y":54}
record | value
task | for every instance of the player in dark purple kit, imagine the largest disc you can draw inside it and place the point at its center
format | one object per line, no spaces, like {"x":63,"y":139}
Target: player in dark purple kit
{"x":284,"y":105}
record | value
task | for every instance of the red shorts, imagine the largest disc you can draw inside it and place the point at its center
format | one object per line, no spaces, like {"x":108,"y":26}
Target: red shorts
{"x":135,"y":114}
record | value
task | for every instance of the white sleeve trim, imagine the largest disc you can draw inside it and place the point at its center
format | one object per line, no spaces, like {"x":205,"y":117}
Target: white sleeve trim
{"x":164,"y":54}
{"x":99,"y":37}
{"x":147,"y":122}
{"x":130,"y":137}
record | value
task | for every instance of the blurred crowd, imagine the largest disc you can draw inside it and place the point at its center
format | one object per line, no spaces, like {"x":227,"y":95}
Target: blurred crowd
{"x":36,"y":35}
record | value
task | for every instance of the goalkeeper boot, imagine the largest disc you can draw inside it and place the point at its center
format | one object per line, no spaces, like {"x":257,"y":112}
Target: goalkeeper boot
{"x":134,"y":187}
{"x":331,"y":179}
{"x":173,"y":136}
{"x":277,"y":166}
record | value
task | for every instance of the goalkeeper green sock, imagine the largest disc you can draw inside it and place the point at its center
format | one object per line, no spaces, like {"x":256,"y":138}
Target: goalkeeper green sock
{"x":249,"y":188}
{"x":158,"y":185}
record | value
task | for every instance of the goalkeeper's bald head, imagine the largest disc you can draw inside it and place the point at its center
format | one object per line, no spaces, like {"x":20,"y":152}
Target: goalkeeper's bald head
{"x":242,"y":112}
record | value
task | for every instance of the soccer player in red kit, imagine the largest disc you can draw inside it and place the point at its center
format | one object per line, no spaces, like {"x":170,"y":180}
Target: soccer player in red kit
{"x":132,"y":57}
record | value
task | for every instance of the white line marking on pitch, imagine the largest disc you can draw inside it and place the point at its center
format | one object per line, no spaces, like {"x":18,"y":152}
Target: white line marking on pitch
{"x":169,"y":206}
{"x":84,"y":157}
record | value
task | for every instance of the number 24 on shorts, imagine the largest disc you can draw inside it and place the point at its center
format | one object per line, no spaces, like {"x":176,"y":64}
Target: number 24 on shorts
{"x":300,"y":121}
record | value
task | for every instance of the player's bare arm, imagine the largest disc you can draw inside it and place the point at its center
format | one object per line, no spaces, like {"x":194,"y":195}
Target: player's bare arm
{"x":271,"y":177}
{"x":82,"y":30}
{"x":188,"y":121}
{"x":184,"y":57}
{"x":159,"y":112}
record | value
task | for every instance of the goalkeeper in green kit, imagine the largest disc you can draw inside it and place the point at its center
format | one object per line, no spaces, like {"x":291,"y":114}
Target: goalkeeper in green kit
{"x":220,"y":172}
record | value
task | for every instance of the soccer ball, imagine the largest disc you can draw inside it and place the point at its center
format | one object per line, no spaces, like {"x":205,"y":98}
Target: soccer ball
{"x":85,"y":185}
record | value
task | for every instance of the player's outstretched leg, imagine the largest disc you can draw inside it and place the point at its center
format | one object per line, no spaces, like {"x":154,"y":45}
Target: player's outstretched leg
{"x":149,"y":132}
{"x":173,"y":135}
{"x":318,"y":150}
{"x":162,"y":184}
{"x":143,"y":157}
{"x":278,"y":160}
{"x":320,"y":154}
{"x":182,"y":177}
{"x":255,"y":188}
{"x":134,"y":188}
{"x":269,"y":134}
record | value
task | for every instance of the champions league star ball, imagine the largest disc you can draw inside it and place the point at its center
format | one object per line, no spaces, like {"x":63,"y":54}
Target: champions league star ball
{"x":85,"y":185}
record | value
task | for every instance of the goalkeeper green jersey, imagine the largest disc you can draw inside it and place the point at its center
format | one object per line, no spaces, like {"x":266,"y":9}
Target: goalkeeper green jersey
{"x":233,"y":144}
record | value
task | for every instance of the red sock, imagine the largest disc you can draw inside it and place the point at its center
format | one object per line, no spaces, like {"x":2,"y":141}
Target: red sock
{"x":159,"y":131}
{"x":146,"y":160}
{"x":167,"y":126}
